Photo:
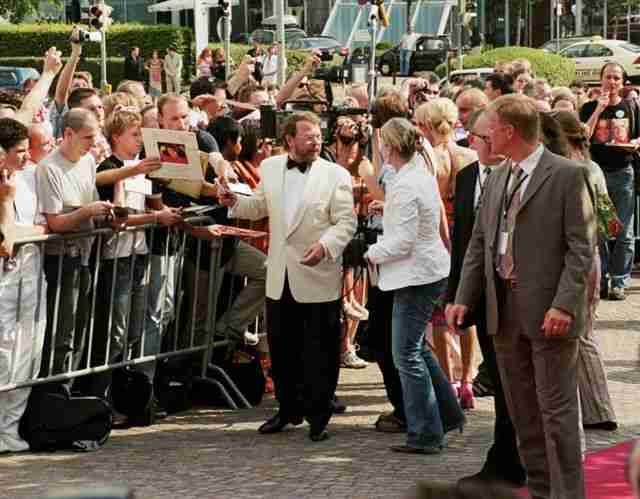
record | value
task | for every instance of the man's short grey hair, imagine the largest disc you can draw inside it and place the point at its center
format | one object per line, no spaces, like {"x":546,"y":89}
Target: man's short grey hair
{"x":79,"y":118}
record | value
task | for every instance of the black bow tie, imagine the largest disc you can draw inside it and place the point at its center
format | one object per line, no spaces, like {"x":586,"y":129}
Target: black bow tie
{"x":292,"y":163}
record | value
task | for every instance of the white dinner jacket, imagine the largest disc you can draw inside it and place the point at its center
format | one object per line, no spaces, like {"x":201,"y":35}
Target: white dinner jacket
{"x":325,"y":213}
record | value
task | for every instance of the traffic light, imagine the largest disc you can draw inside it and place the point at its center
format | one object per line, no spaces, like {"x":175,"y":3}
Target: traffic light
{"x":100,"y":16}
{"x":225,"y":5}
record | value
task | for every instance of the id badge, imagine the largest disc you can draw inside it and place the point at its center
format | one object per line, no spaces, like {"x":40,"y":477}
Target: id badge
{"x":503,"y":241}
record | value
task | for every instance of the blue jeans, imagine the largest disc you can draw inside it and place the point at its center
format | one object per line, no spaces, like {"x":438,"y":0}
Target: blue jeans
{"x":118,"y":317}
{"x":404,"y":62}
{"x":618,"y":263}
{"x":418,"y":368}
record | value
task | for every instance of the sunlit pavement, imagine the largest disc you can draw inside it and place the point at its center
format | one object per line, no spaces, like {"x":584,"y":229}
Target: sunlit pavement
{"x":219,"y":454}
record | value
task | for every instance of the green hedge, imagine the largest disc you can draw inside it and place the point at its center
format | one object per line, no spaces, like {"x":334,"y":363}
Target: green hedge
{"x":115,"y":67}
{"x":557,"y":70}
{"x":33,"y":40}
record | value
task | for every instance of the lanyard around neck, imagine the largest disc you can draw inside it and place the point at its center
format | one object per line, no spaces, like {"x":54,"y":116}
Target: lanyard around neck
{"x":506,"y":203}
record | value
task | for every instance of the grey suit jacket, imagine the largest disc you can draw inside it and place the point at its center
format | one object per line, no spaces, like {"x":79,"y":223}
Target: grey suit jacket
{"x":552,"y":246}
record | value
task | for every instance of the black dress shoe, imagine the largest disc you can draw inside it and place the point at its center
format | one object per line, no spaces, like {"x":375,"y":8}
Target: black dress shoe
{"x":318,"y":434}
{"x":337,"y":406}
{"x":277,"y":423}
{"x":603,"y":425}
{"x":515,"y":479}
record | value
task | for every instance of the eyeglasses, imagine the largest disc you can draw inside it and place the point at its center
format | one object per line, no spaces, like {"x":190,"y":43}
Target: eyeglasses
{"x":484,"y":138}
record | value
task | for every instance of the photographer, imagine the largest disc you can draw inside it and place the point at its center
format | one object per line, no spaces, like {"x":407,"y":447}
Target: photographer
{"x":421,"y":90}
{"x":347,"y":150}
{"x":389,"y":104}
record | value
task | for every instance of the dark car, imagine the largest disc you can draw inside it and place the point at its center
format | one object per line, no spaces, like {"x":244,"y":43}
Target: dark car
{"x":242,"y":38}
{"x":326,"y":46}
{"x":12,"y":78}
{"x":429,"y":51}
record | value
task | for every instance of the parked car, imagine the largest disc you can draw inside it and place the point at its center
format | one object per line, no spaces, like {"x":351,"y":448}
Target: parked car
{"x":243,"y":38}
{"x":591,"y":55}
{"x":428,"y":52}
{"x":326,"y":46}
{"x":467,"y":74}
{"x":268,"y":36}
{"x":13,"y":78}
{"x":562,"y":43}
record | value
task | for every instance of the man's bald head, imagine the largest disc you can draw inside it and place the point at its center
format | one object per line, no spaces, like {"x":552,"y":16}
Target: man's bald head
{"x":469,"y":101}
{"x":41,"y":142}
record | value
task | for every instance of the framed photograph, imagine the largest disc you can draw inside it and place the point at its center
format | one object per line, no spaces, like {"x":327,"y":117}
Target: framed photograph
{"x":178,"y":152}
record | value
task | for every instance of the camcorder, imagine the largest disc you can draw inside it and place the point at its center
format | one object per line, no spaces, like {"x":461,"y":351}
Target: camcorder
{"x":87,"y":36}
{"x":271,"y":119}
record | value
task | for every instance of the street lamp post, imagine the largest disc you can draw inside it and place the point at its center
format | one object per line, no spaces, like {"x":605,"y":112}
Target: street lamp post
{"x":279,"y":5}
{"x":507,"y":21}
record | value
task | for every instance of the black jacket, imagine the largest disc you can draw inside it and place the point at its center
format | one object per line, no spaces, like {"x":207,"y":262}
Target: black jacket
{"x":463,"y":219}
{"x":134,"y":70}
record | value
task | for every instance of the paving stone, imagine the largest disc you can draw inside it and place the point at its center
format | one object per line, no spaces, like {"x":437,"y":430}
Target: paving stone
{"x":217,"y":453}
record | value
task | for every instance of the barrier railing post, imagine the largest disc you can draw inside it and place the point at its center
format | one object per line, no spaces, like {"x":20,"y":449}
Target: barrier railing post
{"x":60,"y":271}
{"x":216,"y":246}
{"x":127,"y":320}
{"x":94,"y":286}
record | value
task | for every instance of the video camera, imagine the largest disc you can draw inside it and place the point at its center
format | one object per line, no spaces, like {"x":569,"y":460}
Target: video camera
{"x":87,"y":36}
{"x":271,"y":119}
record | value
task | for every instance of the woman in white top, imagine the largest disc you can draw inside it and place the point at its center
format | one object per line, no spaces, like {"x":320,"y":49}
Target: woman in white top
{"x":413,"y":262}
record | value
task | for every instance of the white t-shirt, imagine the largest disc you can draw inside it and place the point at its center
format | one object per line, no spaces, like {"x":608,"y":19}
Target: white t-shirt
{"x":121,"y":245}
{"x":26,"y":202}
{"x":64,"y":186}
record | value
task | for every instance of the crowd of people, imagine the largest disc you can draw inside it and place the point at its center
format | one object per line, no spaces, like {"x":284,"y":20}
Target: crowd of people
{"x":496,"y":213}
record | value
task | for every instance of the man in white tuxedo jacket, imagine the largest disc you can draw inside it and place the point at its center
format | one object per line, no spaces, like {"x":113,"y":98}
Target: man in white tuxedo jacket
{"x":309,"y":202}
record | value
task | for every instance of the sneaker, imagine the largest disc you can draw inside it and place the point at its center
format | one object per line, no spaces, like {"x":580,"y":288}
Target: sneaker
{"x":617,"y":294}
{"x":251,"y":339}
{"x":350,"y":360}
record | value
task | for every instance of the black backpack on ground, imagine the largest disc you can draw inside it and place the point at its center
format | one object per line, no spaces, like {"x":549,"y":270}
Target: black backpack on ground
{"x":54,"y":420}
{"x":131,"y":392}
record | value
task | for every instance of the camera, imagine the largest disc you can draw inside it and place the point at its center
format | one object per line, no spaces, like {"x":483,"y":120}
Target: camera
{"x":418,"y":92}
{"x":271,"y":119}
{"x":352,"y":131}
{"x":87,"y":36}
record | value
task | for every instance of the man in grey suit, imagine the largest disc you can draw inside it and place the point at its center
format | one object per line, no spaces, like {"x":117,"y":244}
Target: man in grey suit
{"x":530,"y":253}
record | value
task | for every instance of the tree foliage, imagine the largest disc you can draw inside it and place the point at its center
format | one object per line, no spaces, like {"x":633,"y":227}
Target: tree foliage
{"x":16,"y":10}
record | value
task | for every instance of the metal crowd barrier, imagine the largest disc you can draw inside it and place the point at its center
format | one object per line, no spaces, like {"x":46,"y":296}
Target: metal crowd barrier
{"x":34,"y":247}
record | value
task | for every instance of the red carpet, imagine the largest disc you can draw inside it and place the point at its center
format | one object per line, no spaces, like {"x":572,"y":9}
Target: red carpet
{"x":604,"y":473}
